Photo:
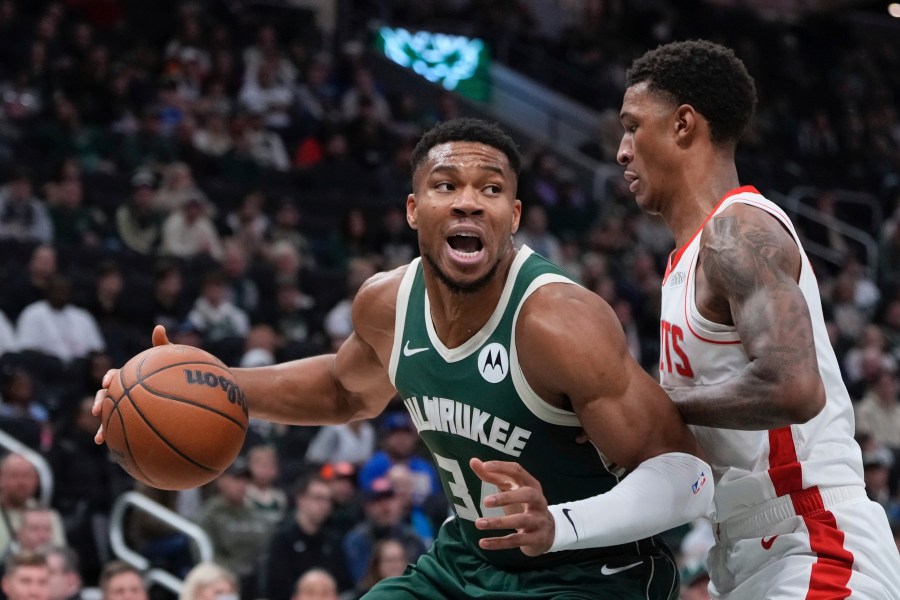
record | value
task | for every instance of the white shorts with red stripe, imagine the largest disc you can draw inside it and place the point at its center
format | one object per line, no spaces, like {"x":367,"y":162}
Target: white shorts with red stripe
{"x":841,"y":550}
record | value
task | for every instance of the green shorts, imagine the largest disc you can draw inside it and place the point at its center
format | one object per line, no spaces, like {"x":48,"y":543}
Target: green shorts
{"x":450,"y":570}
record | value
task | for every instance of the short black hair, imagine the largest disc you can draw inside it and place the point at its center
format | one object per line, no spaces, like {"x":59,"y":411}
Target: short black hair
{"x":467,"y":129}
{"x":705,"y":75}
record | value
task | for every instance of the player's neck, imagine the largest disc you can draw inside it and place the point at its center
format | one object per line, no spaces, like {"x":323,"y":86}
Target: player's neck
{"x":457,"y":316}
{"x":698,"y":197}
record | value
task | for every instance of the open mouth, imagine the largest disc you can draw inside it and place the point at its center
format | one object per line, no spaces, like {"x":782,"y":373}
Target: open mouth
{"x":465,"y":244}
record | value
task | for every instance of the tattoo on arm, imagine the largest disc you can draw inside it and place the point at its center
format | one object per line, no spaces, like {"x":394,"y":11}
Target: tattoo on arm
{"x":747,"y":264}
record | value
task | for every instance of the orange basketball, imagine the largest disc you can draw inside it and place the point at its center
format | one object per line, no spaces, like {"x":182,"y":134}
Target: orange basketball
{"x":174,"y":417}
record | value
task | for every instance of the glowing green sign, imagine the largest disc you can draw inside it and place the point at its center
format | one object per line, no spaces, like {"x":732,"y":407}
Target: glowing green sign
{"x":456,"y":62}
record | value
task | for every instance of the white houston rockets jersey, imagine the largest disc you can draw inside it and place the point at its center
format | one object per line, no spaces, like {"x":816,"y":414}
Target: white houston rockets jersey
{"x":751,"y":467}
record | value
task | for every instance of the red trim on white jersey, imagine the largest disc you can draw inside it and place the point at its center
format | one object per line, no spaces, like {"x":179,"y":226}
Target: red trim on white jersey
{"x":676,"y":255}
{"x":687,"y":319}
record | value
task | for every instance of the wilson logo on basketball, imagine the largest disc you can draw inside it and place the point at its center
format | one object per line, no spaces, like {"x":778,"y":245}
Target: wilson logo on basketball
{"x":235,"y":394}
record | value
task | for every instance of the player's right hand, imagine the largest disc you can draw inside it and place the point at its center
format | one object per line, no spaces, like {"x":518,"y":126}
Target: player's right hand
{"x":159,"y":338}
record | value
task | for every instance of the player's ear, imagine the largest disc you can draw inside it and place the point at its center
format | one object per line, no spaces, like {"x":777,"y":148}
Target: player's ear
{"x":411,"y":211}
{"x":685,"y":121}
{"x":517,"y":214}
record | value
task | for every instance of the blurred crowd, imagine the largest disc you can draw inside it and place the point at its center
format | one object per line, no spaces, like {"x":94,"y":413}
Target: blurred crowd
{"x":233,"y":173}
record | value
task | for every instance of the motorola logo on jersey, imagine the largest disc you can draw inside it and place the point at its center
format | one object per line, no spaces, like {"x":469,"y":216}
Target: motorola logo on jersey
{"x":493,"y":363}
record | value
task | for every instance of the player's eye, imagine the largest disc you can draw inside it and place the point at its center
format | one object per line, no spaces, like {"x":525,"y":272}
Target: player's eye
{"x":444,"y":186}
{"x":493,"y":189}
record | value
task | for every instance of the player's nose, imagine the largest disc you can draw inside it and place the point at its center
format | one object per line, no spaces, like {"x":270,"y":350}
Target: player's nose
{"x":625,"y":153}
{"x":467,"y":202}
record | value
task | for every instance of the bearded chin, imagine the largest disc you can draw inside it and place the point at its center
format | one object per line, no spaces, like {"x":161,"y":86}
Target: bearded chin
{"x":463,"y":288}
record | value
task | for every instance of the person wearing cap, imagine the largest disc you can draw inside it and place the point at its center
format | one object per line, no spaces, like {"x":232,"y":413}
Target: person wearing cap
{"x":399,"y":442}
{"x":138,"y":222}
{"x":237,"y":532}
{"x":384,"y":518}
{"x":345,"y":496}
{"x":303,"y":543}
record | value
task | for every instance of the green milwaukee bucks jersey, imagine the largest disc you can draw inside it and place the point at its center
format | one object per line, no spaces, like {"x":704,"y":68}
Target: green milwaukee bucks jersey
{"x":473,"y":401}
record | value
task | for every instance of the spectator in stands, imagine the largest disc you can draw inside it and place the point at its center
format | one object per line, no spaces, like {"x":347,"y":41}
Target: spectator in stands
{"x":8,"y":341}
{"x":352,"y":442}
{"x":69,"y":134}
{"x":265,"y":146}
{"x":19,"y":402}
{"x":878,"y":413}
{"x":395,"y":242}
{"x":138,"y":222}
{"x":121,"y":581}
{"x":238,"y":532}
{"x":316,"y":95}
{"x":35,"y":532}
{"x":85,"y":484}
{"x":316,"y":584}
{"x":398,"y":442}
{"x":338,"y":325}
{"x":65,"y":577}
{"x":19,"y":484}
{"x":57,"y":327}
{"x":260,"y":347}
{"x":189,"y":232}
{"x":265,"y":92}
{"x":346,"y":509}
{"x":535,"y":234}
{"x":388,"y":560}
{"x":26,"y":577}
{"x":210,"y":581}
{"x":241,"y":287}
{"x":31,"y":285}
{"x":74,"y":223}
{"x":263,"y":495}
{"x":177,"y":180}
{"x":412,"y":505}
{"x":249,"y":223}
{"x":303,"y":543}
{"x":364,"y":86}
{"x":214,"y":314}
{"x":384,"y":519}
{"x":213,"y":137}
{"x":23,"y":217}
{"x":168,"y":304}
{"x":286,"y":226}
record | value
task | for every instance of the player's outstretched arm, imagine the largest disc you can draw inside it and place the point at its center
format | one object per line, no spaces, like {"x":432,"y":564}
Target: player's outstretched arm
{"x":574,"y":355}
{"x":331,"y":388}
{"x":750,"y":265}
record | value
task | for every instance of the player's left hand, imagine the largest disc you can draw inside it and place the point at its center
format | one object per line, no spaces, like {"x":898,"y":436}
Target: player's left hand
{"x":523,"y":503}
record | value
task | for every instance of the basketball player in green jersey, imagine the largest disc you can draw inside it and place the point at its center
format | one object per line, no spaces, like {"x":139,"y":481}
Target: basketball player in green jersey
{"x":501,"y":361}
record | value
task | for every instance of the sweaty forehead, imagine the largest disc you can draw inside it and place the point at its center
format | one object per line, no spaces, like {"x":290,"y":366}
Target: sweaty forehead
{"x":466,"y":154}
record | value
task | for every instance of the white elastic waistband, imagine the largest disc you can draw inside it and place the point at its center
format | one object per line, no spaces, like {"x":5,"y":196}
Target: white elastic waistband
{"x":758,"y":521}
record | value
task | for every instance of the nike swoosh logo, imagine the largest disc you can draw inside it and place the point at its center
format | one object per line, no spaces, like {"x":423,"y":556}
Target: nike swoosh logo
{"x":766,"y":544}
{"x":566,"y":512}
{"x":605,"y":570}
{"x":407,"y":351}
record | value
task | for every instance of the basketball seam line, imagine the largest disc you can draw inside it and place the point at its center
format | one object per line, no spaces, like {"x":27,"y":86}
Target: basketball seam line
{"x":160,"y":394}
{"x":163,"y":438}
{"x":124,"y":395}
{"x":140,"y":381}
{"x":178,"y":364}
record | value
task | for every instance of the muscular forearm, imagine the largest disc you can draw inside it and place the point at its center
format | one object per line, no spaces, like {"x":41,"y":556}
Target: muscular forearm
{"x":302,"y":392}
{"x":752,"y":400}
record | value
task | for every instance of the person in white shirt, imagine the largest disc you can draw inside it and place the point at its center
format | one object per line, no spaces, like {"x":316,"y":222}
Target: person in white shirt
{"x":189,"y":231}
{"x":57,"y":327}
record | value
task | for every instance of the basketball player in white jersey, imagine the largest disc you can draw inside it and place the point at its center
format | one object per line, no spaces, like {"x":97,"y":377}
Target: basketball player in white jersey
{"x":744,"y":351}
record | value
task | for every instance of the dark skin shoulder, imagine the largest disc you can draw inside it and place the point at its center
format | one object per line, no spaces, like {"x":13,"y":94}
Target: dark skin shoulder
{"x":747,"y":275}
